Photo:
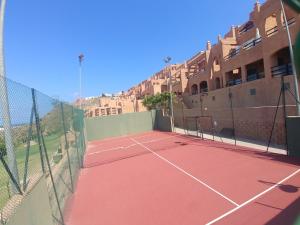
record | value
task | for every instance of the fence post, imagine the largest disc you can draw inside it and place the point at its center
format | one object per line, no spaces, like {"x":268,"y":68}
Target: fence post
{"x":79,"y":157}
{"x":27,"y":150}
{"x":42,"y":146}
{"x":11,"y":176}
{"x":51,"y":177}
{"x":66,"y":144}
{"x":82,"y":130}
{"x":38,"y":127}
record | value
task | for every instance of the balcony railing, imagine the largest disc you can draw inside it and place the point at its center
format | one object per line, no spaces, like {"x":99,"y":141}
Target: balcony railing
{"x":203,"y":90}
{"x":246,"y":28}
{"x":255,"y":76}
{"x":252,"y":43}
{"x":290,"y":22}
{"x":233,"y":82}
{"x":282,"y":70}
{"x":232,"y":53}
{"x":272,"y":31}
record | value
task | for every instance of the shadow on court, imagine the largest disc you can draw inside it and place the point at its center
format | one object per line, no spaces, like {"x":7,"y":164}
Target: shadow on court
{"x":288,"y":215}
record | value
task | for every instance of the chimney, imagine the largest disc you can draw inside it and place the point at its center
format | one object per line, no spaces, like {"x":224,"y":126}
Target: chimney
{"x":208,"y":45}
{"x":233,"y":31}
{"x":257,"y":6}
{"x":219,"y":38}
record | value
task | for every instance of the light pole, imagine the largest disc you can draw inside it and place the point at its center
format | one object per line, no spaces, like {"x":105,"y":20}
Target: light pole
{"x":12,"y":163}
{"x":167,"y":61}
{"x":80,"y":57}
{"x":292,"y":59}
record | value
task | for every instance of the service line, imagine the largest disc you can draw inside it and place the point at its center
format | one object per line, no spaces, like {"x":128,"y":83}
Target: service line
{"x":185,"y":172}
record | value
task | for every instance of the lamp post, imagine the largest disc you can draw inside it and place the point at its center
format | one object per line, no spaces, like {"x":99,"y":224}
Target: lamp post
{"x":80,"y":57}
{"x":292,"y":59}
{"x":167,"y":61}
{"x":4,"y":104}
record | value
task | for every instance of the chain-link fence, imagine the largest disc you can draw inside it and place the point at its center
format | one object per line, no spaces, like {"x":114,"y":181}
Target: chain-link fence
{"x":239,"y":115}
{"x":39,"y":136}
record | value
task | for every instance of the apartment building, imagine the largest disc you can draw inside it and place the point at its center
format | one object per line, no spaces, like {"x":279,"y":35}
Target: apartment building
{"x":256,"y":50}
{"x":109,"y":105}
{"x":243,"y":70}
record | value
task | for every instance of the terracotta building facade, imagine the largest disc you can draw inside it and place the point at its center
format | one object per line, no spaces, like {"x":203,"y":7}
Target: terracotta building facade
{"x":237,"y":77}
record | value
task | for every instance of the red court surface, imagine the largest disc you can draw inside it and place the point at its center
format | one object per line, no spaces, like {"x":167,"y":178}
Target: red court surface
{"x":158,"y":178}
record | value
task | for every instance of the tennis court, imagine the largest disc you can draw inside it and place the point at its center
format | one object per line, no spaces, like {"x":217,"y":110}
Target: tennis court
{"x":160,"y":178}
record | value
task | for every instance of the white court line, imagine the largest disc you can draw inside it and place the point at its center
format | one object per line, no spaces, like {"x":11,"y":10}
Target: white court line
{"x":186,"y":173}
{"x":252,"y":199}
{"x":111,"y":149}
{"x":129,"y":146}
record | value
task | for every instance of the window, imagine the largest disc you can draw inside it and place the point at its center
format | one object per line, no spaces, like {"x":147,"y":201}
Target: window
{"x":253,"y":91}
{"x":194,"y":89}
{"x":96,"y":112}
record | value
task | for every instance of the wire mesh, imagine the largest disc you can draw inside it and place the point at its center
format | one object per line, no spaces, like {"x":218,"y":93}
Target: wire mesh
{"x":48,"y":140}
{"x":230,"y":115}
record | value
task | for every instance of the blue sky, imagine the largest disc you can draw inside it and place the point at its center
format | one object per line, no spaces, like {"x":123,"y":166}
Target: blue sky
{"x":124,"y":42}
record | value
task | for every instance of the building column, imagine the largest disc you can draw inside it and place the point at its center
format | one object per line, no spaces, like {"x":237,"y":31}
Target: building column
{"x":267,"y":66}
{"x":244,"y":73}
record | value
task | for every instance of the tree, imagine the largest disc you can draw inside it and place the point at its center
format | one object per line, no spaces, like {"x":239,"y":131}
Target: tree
{"x":2,"y":147}
{"x":158,"y":101}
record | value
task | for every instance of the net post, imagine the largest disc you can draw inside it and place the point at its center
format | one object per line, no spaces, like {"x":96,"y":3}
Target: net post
{"x":66,"y":144}
{"x":38,"y":128}
{"x":284,"y":111}
{"x":274,"y":120}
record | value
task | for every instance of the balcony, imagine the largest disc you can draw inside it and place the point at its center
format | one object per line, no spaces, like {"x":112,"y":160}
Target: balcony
{"x":272,"y":31}
{"x":255,"y":76}
{"x":203,"y":90}
{"x":282,"y":70}
{"x":233,"y":82}
{"x":252,"y":43}
{"x":290,"y":22}
{"x":246,"y":28}
{"x":232,"y":53}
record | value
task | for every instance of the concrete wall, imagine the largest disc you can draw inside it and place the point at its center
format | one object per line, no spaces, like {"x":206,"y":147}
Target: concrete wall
{"x":34,"y":208}
{"x":113,"y":126}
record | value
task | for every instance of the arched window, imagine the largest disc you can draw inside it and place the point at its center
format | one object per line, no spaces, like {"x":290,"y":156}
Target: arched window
{"x":271,"y":26}
{"x":194,"y":89}
{"x":203,"y":87}
{"x":216,"y":65}
{"x":97,"y":112}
